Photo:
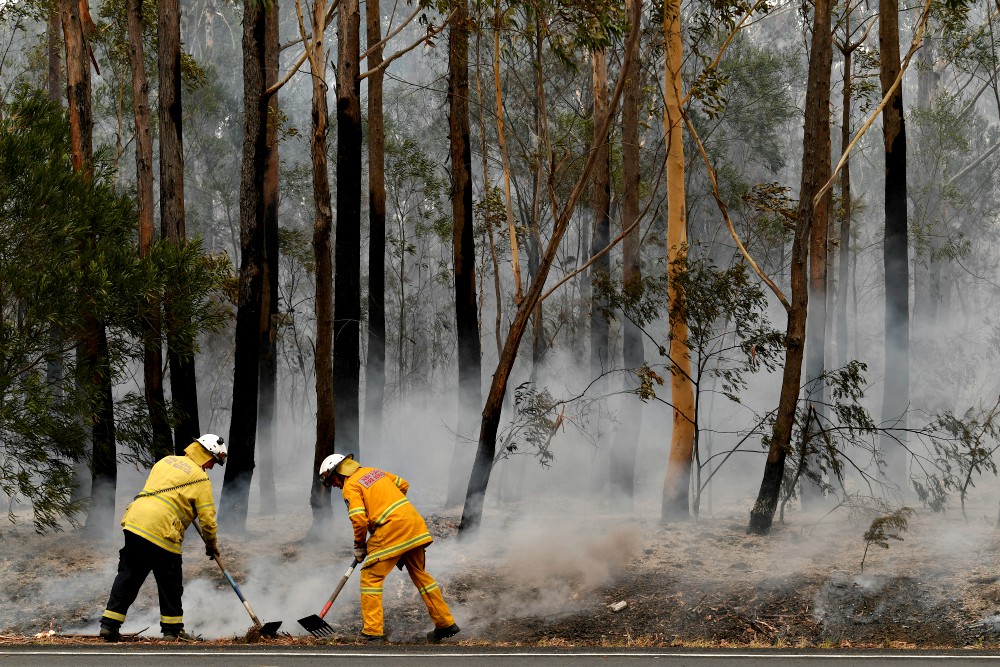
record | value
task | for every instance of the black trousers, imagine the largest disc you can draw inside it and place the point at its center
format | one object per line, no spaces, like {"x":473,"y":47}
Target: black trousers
{"x":136,"y":560}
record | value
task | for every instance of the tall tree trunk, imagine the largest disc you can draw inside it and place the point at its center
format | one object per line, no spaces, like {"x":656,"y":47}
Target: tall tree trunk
{"x":375,"y":366}
{"x":463,"y":250}
{"x":319,"y":496}
{"x":515,"y":262}
{"x":92,"y":351}
{"x":622,"y":471}
{"x":896,"y":394}
{"x":674,"y":504}
{"x":180,"y":354}
{"x":846,"y":211}
{"x":243,"y":426}
{"x":268,"y":400}
{"x":483,"y":465}
{"x":815,"y":172}
{"x":816,"y":320}
{"x":347,"y":244}
{"x":152,"y":357}
{"x":600,"y":269}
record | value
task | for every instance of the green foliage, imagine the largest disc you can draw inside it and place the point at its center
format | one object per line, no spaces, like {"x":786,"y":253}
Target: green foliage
{"x":68,"y":253}
{"x":723,"y":304}
{"x":534,"y":423}
{"x":962,"y":450}
{"x":884,"y":528}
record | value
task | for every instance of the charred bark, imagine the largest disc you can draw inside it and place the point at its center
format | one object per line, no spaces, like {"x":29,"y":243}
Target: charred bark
{"x":243,"y":427}
{"x":347,"y":244}
{"x":180,"y":353}
{"x":267,"y":407}
{"x":463,"y":248}
{"x":815,"y":172}
{"x":319,"y":496}
{"x":375,"y":364}
{"x":152,"y":336}
{"x":896,"y":396}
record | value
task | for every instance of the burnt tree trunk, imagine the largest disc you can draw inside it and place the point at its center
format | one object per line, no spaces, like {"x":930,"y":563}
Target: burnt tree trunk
{"x":267,"y":405}
{"x":152,"y":357}
{"x":180,"y":353}
{"x":815,"y":172}
{"x":463,"y":249}
{"x":896,"y":396}
{"x":375,"y":364}
{"x":319,"y":496}
{"x":347,"y":244}
{"x":243,"y":427}
{"x":92,"y":350}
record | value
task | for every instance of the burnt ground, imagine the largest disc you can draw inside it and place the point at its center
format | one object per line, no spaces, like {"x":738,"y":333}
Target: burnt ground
{"x":691,"y":584}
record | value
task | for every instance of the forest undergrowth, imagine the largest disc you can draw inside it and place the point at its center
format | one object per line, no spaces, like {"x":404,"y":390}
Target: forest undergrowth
{"x":547,"y":582}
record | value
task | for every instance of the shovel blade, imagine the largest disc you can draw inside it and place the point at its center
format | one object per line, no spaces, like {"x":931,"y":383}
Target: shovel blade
{"x":270,"y":629}
{"x":316,"y":626}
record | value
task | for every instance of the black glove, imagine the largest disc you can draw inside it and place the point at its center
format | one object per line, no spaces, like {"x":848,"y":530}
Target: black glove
{"x":361,"y":552}
{"x":211,"y":548}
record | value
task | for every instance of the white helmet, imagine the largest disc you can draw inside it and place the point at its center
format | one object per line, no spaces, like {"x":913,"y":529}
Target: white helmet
{"x":328,"y":468}
{"x":216,"y":446}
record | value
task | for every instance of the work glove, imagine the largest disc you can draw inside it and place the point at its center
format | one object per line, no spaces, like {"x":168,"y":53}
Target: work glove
{"x":360,"y":553}
{"x":211,"y":548}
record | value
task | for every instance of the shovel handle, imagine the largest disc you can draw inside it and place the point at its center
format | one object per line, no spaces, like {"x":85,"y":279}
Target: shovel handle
{"x":340,"y":587}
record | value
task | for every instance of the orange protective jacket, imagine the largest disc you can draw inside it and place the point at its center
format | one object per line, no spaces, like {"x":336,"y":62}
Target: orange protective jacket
{"x":176,"y":492}
{"x":377,"y":504}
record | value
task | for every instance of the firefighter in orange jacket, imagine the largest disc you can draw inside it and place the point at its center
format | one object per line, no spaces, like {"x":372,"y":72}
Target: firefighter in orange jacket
{"x":176,"y":493}
{"x":377,"y":504}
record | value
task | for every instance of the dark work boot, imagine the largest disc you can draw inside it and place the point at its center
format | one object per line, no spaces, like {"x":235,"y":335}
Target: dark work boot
{"x":180,"y":636}
{"x":372,"y":639}
{"x":110,"y":634}
{"x":437,"y":634}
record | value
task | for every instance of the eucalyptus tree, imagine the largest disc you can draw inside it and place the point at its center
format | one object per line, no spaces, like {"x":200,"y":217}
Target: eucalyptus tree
{"x":674,"y":501}
{"x":463,"y":244}
{"x":622,"y":472}
{"x":183,"y":382}
{"x":246,"y":368}
{"x":815,"y":173}
{"x":896,"y":390}
{"x":375,"y":361}
{"x":347,"y":243}
{"x":486,"y":450}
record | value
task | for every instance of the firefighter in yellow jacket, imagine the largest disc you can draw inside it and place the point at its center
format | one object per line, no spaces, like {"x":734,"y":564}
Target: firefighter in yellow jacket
{"x":176,"y":492}
{"x":377,"y":505}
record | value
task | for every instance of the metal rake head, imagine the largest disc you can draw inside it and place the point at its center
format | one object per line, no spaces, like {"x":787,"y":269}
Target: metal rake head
{"x":316,"y":626}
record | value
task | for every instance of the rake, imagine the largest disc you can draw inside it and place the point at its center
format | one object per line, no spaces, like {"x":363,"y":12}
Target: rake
{"x":269,"y":629}
{"x":314,"y":623}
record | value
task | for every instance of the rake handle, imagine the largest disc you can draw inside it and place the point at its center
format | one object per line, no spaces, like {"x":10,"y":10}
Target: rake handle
{"x":229,"y":578}
{"x":340,"y":586}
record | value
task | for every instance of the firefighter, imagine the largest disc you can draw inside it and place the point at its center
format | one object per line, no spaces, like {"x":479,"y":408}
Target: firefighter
{"x":176,"y":492}
{"x":377,"y":505}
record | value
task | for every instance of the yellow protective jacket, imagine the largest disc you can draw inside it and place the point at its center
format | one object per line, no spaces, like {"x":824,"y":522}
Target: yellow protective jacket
{"x":176,"y":491}
{"x":377,"y":504}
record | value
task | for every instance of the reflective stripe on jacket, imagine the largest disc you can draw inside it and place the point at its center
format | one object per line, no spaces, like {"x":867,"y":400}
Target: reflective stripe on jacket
{"x":377,"y":504}
{"x":162,"y":518}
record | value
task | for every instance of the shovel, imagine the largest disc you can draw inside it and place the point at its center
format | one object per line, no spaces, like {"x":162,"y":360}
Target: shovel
{"x":315,"y":624}
{"x":266,"y":629}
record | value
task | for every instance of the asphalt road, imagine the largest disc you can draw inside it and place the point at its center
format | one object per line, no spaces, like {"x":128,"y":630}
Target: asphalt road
{"x":63,"y":656}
